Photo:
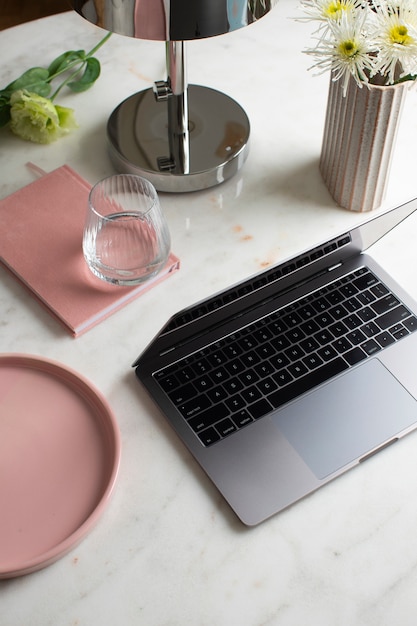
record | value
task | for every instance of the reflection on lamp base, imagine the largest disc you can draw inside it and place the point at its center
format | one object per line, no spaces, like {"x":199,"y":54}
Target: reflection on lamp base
{"x":217,"y":145}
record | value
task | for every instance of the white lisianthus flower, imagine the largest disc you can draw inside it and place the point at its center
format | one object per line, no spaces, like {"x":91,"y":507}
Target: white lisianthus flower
{"x":35,"y":118}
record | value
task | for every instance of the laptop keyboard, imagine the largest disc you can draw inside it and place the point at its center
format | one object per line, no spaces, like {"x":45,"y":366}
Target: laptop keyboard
{"x":249,"y":373}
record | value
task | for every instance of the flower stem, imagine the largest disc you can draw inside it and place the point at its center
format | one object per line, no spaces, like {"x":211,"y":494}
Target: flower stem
{"x":76,"y":63}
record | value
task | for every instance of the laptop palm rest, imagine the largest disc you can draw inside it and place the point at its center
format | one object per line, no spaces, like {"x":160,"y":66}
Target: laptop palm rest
{"x":347,"y":418}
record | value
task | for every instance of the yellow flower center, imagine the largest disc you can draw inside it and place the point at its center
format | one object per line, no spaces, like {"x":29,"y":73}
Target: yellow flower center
{"x":335,"y":8}
{"x":399,"y":34}
{"x":348,"y":48}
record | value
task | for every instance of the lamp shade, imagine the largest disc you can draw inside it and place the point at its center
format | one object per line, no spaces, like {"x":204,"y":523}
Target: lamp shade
{"x":172,"y":20}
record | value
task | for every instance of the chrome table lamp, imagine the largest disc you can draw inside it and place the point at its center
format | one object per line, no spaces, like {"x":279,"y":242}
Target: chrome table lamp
{"x":180,"y":137}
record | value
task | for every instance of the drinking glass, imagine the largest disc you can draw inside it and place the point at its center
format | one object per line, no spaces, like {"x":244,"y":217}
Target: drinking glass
{"x":126,"y":238}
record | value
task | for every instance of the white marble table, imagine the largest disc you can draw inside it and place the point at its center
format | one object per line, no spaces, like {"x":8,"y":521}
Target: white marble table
{"x":168,"y":551}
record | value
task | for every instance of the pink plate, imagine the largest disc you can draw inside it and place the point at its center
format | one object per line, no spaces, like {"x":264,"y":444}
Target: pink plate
{"x":59,"y":458}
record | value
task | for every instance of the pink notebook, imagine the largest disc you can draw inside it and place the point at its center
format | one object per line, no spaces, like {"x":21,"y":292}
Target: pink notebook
{"x":41,"y":244}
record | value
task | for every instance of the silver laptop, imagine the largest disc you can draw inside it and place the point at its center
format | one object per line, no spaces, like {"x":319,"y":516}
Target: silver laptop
{"x":286,"y":380}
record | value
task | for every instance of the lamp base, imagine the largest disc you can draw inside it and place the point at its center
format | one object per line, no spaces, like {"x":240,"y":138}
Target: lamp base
{"x":217,"y":144}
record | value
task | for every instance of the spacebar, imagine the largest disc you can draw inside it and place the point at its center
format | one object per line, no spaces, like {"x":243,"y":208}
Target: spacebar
{"x":280,"y":397}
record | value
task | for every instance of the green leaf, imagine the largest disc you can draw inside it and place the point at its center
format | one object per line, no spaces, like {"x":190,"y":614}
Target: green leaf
{"x":34,"y":80}
{"x":403,"y":79}
{"x":61,"y":63}
{"x":89,"y":77}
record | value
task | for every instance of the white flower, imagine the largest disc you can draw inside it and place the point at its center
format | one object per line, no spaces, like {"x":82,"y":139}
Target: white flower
{"x":328,"y":10}
{"x":375,"y":41}
{"x":345,"y":51}
{"x":395,"y":36}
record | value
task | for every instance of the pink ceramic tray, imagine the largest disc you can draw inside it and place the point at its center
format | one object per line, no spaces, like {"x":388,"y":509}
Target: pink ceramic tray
{"x":59,"y":457}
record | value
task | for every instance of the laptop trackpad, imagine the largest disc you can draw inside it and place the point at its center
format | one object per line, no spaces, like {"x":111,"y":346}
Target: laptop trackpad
{"x":347,"y":418}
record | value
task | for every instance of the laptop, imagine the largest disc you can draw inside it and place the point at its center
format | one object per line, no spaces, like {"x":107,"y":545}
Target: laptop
{"x":285,"y":381}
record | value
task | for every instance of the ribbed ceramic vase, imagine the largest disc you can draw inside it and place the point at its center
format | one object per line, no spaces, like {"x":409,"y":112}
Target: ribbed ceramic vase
{"x":358,"y":142}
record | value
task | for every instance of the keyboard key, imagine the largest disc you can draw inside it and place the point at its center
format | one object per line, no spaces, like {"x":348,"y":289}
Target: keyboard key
{"x":202,"y":366}
{"x":185,"y":375}
{"x":356,"y":337}
{"x":411,"y":323}
{"x":209,"y":417}
{"x":327,"y":353}
{"x":353,"y":321}
{"x":226,"y":427}
{"x":367,"y":314}
{"x":267,"y":385}
{"x":341,"y":345}
{"x":247,"y":343}
{"x":279,"y":361}
{"x":365,"y":280}
{"x":384,"y":339}
{"x":323,"y":337}
{"x":280,"y":343}
{"x":366,"y":297}
{"x":312,"y":361}
{"x":234,"y":367}
{"x":217,"y":394}
{"x":309,"y":345}
{"x":203,"y":384}
{"x":294,"y":353}
{"x":335,"y":297}
{"x":324,"y":319}
{"x":293,"y":319}
{"x":355,"y":356}
{"x":249,"y":377}
{"x":169,"y":383}
{"x":399,"y":331}
{"x":250,"y":359}
{"x":283,"y":377}
{"x":310,"y":327}
{"x":264,"y":369}
{"x":259,"y":409}
{"x":242,"y":418}
{"x":181,"y":395}
{"x":307,"y":312}
{"x":295,"y":335}
{"x":219,"y":375}
{"x":338,"y":312}
{"x":265,"y":351}
{"x":297,"y":369}
{"x":217,"y":358}
{"x":321,"y":305}
{"x":349,"y":290}
{"x":370,"y":329}
{"x":352,"y":305}
{"x":392,"y":317}
{"x":385,"y":304}
{"x":263,"y":334}
{"x":209,"y":436}
{"x":251,"y":394}
{"x":371,"y":347}
{"x":194,"y":406}
{"x":233,"y":385}
{"x":235,"y":403}
{"x":338,"y":329}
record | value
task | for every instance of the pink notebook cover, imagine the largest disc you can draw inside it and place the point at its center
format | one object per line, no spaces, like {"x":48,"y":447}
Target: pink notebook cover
{"x":41,"y":244}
